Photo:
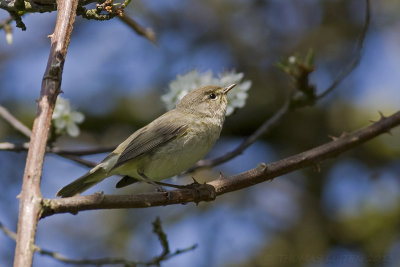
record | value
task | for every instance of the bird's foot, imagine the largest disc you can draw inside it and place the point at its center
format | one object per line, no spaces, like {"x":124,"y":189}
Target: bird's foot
{"x":201,"y":192}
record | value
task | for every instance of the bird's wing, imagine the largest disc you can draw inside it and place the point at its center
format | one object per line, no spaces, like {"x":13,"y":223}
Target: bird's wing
{"x":148,"y":139}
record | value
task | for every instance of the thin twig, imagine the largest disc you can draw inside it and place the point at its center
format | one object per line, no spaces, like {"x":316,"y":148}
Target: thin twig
{"x":110,"y":261}
{"x":5,"y":22}
{"x":263,"y":172}
{"x":269,"y":123}
{"x":356,"y":60}
{"x":80,"y":160}
{"x":57,"y":150}
{"x":14,"y":147}
{"x":81,"y":152}
{"x":265,"y":127}
{"x":14,"y":122}
{"x":25,"y":146}
{"x":148,"y":33}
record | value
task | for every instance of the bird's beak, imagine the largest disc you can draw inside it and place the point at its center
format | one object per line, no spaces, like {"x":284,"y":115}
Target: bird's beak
{"x":228,"y":88}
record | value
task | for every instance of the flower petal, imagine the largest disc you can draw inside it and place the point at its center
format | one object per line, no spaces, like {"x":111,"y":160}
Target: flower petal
{"x":72,"y":129}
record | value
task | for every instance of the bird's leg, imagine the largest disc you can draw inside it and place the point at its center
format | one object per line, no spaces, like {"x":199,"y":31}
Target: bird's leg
{"x":149,"y":181}
{"x":171,"y":185}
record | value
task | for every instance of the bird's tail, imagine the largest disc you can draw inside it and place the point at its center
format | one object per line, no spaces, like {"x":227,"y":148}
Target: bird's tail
{"x":83,"y":183}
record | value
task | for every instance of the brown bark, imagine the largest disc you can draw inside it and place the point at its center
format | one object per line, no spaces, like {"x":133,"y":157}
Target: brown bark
{"x":262,"y":173}
{"x":30,"y":198}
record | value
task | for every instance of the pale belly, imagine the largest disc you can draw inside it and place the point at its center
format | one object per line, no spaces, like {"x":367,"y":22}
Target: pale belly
{"x":173,"y":158}
{"x":176,"y":157}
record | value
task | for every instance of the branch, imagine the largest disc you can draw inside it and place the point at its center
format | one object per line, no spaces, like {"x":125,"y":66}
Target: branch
{"x":5,"y":22}
{"x":356,"y":60}
{"x":29,"y":6}
{"x":262,"y":173}
{"x":105,"y":10}
{"x":25,"y":146}
{"x":30,"y":197}
{"x":157,"y":229}
{"x":69,"y":154}
{"x":310,"y":98}
{"x":80,"y":160}
{"x":81,"y":152}
{"x":14,"y":122}
{"x":148,"y":33}
{"x":265,"y":127}
{"x":57,"y":150}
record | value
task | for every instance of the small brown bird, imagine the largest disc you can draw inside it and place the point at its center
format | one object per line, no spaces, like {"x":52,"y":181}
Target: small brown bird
{"x":167,"y":146}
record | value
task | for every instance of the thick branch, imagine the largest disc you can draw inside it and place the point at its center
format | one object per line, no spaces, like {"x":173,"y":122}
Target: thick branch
{"x":223,"y":185}
{"x":30,"y":197}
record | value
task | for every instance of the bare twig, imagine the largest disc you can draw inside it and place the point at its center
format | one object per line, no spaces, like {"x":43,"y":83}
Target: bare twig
{"x":8,"y":232}
{"x":110,"y":261}
{"x":80,"y":152}
{"x":269,"y":123}
{"x":57,"y":150}
{"x":14,"y":147}
{"x":7,"y":116}
{"x":30,"y":197}
{"x":148,"y":33}
{"x":356,"y":60}
{"x":162,"y":237}
{"x":80,"y":160}
{"x":105,"y":10}
{"x":14,"y":122}
{"x":5,"y":22}
{"x":265,"y":127}
{"x":25,"y":146}
{"x":221,"y":186}
{"x":69,"y":154}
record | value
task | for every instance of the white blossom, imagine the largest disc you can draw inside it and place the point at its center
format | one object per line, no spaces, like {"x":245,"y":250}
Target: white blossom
{"x":9,"y":38}
{"x":65,"y":119}
{"x":193,"y":79}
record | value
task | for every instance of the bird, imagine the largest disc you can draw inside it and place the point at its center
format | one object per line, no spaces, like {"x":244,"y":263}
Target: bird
{"x":165,"y":147}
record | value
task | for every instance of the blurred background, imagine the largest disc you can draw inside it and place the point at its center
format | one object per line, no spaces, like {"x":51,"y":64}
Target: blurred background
{"x":348,"y":214}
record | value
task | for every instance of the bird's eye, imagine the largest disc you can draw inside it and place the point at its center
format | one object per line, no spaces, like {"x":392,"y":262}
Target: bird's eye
{"x":213,"y":96}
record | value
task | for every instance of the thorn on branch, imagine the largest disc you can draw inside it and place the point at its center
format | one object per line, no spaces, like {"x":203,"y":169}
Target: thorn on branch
{"x":262,"y":167}
{"x":317,"y":167}
{"x":333,"y":138}
{"x":381,"y":115}
{"x":221,"y":176}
